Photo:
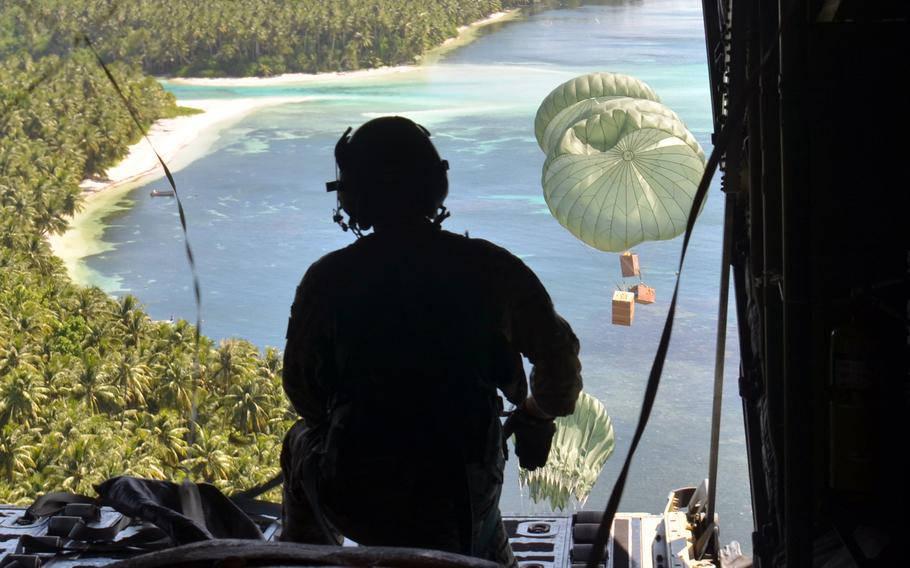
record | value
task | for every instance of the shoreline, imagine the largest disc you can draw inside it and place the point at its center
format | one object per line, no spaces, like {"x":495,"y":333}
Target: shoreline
{"x":179,"y":141}
{"x":170,"y":137}
{"x":183,"y":139}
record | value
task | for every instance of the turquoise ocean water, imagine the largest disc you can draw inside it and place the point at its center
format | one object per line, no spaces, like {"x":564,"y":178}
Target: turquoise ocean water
{"x":258,"y":216}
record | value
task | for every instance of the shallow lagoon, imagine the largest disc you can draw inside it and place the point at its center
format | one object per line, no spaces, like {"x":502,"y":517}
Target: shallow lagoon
{"x":259,"y":215}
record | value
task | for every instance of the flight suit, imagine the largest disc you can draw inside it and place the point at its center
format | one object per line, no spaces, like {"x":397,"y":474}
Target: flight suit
{"x":396,"y":347}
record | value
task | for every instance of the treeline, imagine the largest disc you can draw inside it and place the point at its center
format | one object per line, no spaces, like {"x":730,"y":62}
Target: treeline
{"x":90,"y":386}
{"x":242,"y":37}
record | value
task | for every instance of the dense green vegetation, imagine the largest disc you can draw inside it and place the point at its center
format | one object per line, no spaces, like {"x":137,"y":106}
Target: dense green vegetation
{"x":90,"y":386}
{"x":242,"y":37}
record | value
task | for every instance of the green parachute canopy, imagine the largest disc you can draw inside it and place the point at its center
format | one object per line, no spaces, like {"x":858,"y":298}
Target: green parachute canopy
{"x":621,"y":167}
{"x":582,"y":443}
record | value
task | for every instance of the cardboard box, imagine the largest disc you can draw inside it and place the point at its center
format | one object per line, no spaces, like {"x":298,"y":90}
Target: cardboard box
{"x":623,"y":308}
{"x":628,"y":263}
{"x":644,"y":294}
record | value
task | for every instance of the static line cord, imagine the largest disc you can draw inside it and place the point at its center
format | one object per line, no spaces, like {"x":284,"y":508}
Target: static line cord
{"x":186,"y":239}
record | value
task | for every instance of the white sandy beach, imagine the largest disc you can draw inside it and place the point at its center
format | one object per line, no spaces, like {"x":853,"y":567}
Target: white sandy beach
{"x":171,"y":137}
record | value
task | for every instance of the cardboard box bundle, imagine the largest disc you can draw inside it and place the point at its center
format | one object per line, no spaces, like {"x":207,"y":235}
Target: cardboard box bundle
{"x":644,"y":294}
{"x":623,"y":307}
{"x":628,"y":262}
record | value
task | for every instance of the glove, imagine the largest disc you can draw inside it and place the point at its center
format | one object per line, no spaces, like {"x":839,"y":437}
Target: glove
{"x":533,"y":438}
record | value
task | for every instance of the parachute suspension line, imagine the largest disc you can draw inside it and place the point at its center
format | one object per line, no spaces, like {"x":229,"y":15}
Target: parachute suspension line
{"x":197,"y":293}
{"x":735,"y":116}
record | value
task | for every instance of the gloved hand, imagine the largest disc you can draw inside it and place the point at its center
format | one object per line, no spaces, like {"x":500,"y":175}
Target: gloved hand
{"x":533,"y":437}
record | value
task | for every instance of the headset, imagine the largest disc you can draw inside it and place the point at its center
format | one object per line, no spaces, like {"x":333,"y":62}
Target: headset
{"x":431,"y":178}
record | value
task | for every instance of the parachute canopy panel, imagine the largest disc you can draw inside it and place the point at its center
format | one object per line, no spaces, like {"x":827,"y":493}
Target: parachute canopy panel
{"x":621,"y":167}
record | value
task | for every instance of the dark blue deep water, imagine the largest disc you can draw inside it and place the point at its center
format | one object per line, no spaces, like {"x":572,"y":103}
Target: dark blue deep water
{"x":259,"y":215}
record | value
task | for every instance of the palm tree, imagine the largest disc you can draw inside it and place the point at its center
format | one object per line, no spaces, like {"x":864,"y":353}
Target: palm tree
{"x":21,"y":398}
{"x":133,"y":320}
{"x":176,"y":385}
{"x":30,"y":321}
{"x":210,"y":462}
{"x":55,"y":368}
{"x":132,"y":378}
{"x":15,"y":456}
{"x":161,"y":435}
{"x":87,"y":302}
{"x":16,"y":356}
{"x":249,"y":404}
{"x":271,"y":363}
{"x":127,"y":305}
{"x":75,"y":468}
{"x":92,"y":384}
{"x":257,"y":463}
{"x":148,"y":467}
{"x":231,"y":363}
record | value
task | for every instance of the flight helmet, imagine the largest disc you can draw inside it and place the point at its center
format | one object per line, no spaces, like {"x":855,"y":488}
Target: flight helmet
{"x":389,"y":171}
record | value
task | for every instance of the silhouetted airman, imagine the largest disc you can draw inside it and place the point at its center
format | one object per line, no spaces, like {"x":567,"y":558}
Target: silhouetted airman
{"x":396,"y":347}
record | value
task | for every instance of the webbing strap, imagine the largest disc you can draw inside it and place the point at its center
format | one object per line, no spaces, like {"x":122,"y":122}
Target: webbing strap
{"x":82,"y":537}
{"x":253,"y":507}
{"x":258,"y":490}
{"x":51,"y":504}
{"x":145,"y":539}
{"x":191,"y":503}
{"x":82,"y":532}
{"x":720,"y":351}
{"x":310,"y":475}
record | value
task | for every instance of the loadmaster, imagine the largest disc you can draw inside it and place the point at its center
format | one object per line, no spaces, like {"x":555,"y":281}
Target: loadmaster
{"x":396,"y":347}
